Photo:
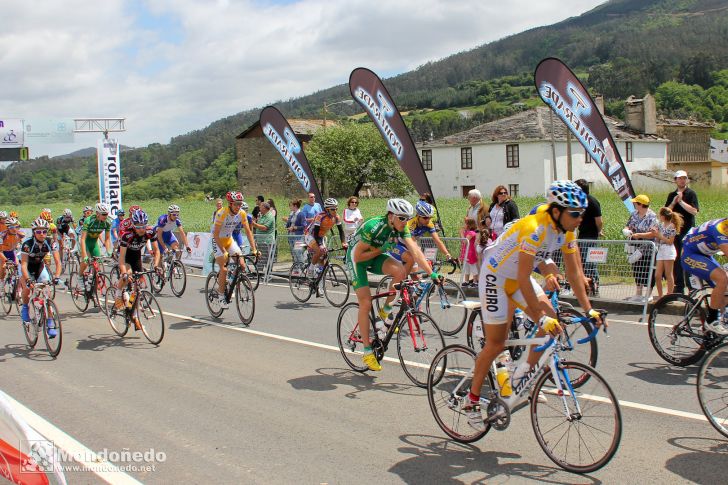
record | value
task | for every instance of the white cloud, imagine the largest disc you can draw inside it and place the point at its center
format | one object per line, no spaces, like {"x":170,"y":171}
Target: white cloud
{"x":171,"y":66}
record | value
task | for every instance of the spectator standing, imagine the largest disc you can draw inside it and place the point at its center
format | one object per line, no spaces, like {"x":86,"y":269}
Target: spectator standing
{"x":295,"y":234}
{"x":265,"y":225}
{"x":218,"y":206}
{"x":256,"y":210}
{"x":502,"y":209}
{"x":590,"y":229}
{"x":352,"y":217}
{"x":641,"y":225}
{"x":311,"y":209}
{"x":274,"y":211}
{"x":469,"y":255}
{"x":684,"y":201}
{"x":475,"y":198}
{"x":669,"y":224}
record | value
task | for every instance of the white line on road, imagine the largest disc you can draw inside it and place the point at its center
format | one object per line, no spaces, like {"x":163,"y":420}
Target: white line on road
{"x":105,"y":470}
{"x":626,"y":404}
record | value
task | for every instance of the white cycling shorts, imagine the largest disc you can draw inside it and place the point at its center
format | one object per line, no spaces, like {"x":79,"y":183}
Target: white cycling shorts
{"x":496,"y":292}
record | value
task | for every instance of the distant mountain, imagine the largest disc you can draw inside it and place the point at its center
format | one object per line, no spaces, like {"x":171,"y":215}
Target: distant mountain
{"x":621,"y":47}
{"x":86,"y":152}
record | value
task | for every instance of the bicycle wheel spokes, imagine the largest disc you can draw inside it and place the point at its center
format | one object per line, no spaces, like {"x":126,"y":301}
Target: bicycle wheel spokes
{"x":584,"y":438}
{"x":336,"y":285}
{"x":151,"y":317}
{"x":245,"y":299}
{"x":299,"y":284}
{"x":586,"y":353}
{"x":418,"y":341}
{"x":78,"y":291}
{"x":252,"y":273}
{"x":117,"y":318}
{"x":50,"y":316}
{"x":448,"y":382}
{"x":212,"y":296}
{"x":713,"y":388}
{"x":675,"y":335}
{"x":350,"y":342}
{"x":445,"y":306}
{"x":177,"y":278}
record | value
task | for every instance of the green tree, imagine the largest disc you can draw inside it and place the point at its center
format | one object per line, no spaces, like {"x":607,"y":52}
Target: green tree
{"x":349,"y":155}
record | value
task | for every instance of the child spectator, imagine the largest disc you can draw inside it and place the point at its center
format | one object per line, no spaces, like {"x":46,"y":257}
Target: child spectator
{"x":470,"y":254}
{"x":668,"y":226}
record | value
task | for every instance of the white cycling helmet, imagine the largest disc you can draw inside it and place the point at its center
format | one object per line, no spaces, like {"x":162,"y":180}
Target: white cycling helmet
{"x":102,"y":208}
{"x":566,"y":193}
{"x":331,"y":203}
{"x":12,"y":221}
{"x":67,"y":213}
{"x":3,"y":215}
{"x":400,"y":207}
{"x":245,"y":206}
{"x":40,"y":223}
{"x":173,"y":208}
{"x":88,"y":208}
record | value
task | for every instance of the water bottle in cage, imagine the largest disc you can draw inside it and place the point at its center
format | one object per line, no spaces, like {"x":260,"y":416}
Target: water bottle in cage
{"x":126,"y":298}
{"x":231,"y":273}
{"x":379,"y":326}
{"x":478,"y":328}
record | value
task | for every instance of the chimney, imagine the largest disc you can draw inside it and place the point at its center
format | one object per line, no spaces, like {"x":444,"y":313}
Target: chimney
{"x":641,"y":114}
{"x":649,"y":115}
{"x":599,"y":101}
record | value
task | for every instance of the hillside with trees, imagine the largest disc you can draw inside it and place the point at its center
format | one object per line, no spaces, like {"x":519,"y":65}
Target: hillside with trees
{"x":676,"y":49}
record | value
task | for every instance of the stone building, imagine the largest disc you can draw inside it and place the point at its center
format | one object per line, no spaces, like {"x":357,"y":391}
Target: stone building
{"x":261,"y":169}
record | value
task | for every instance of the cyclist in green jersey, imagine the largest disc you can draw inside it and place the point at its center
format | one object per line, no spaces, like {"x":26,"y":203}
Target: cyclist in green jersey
{"x":367,"y":252}
{"x":93,"y":226}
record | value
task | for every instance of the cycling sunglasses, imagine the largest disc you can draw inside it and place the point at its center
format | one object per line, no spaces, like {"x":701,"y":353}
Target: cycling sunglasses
{"x":40,"y":231}
{"x":575,"y":214}
{"x":402,"y":218}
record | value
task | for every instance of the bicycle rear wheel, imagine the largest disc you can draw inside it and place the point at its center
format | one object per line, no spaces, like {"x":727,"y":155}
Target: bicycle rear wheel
{"x":178,"y":278}
{"x":150,"y":317}
{"x":211,"y":295}
{"x":78,"y":291}
{"x":53,"y":344}
{"x":713,"y":388}
{"x":349,"y":338}
{"x":448,"y":382}
{"x":7,"y":292}
{"x":418,"y":341}
{"x":245,"y":299}
{"x":445,"y":306}
{"x":336,"y":285}
{"x":586,"y":437}
{"x":299,"y":284}
{"x":675,"y":337}
{"x":117,"y":318}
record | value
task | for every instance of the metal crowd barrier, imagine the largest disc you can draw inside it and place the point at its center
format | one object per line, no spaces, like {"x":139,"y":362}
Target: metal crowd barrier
{"x":617,"y":268}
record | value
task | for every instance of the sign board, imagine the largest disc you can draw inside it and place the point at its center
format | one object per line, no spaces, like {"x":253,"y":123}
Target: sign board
{"x":11,"y":133}
{"x":597,"y":255}
{"x":13,"y":154}
{"x":199,"y":243}
{"x":109,"y":168}
{"x":49,"y":131}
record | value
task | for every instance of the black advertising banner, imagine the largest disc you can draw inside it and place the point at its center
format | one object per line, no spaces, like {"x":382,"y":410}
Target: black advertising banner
{"x":568,"y":98}
{"x":280,"y":134}
{"x":367,"y":89}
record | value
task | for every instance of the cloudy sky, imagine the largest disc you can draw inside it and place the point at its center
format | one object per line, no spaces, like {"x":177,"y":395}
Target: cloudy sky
{"x":172,"y":66}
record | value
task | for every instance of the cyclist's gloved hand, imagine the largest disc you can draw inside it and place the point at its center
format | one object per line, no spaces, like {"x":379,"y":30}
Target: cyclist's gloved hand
{"x":550,"y":325}
{"x":597,"y":317}
{"x":189,"y":249}
{"x":437,"y":278}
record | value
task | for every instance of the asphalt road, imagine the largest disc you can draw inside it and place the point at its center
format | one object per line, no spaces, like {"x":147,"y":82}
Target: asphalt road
{"x":275,"y":403}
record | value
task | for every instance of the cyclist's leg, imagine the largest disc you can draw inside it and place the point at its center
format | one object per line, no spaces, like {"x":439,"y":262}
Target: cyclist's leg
{"x":3,"y":260}
{"x":398,"y":254}
{"x":720,"y":281}
{"x":221,"y":260}
{"x":707,"y":268}
{"x":517,"y":299}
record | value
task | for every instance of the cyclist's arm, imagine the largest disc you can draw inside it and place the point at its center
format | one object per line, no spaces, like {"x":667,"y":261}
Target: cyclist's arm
{"x":216,"y":233}
{"x":417,"y":254}
{"x":156,"y":252}
{"x":183,"y":236}
{"x":315,"y":234}
{"x":441,"y":245}
{"x":57,"y":259}
{"x":365,"y":252}
{"x":122,"y":259}
{"x":83,"y":244}
{"x":24,"y":266}
{"x":574,"y":273}
{"x":342,"y":238}
{"x":534,"y":309}
{"x":107,"y":242}
{"x":159,"y":232}
{"x":251,"y":239}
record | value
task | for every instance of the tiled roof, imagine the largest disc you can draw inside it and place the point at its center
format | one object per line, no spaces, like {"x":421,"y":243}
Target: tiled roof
{"x":531,"y":125}
{"x":300,"y":127}
{"x":691,"y":123}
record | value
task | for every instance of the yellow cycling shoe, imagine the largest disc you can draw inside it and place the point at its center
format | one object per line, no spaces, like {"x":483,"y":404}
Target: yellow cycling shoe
{"x":371,"y":362}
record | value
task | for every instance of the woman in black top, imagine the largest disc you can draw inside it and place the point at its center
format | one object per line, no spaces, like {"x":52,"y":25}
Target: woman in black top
{"x":502,"y":210}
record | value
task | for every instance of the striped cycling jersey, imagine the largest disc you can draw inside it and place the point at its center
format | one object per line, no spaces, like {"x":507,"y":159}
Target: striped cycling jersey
{"x":535,"y":235}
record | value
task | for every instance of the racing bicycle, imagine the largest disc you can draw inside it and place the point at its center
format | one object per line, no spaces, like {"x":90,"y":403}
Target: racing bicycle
{"x":140,"y":309}
{"x":89,"y":287}
{"x":329,"y":275}
{"x":173,"y":270}
{"x":43,"y":316}
{"x":236,"y":282}
{"x":10,"y":291}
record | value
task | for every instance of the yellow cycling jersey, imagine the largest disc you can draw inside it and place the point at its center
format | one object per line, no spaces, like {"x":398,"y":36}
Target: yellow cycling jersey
{"x":227,"y":221}
{"x":535,"y":235}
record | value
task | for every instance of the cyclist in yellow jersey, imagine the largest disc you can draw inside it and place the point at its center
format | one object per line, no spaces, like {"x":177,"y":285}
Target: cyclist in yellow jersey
{"x":226,"y":220}
{"x":506,"y":282}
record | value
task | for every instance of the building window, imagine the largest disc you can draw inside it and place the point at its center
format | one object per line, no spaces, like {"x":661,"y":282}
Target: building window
{"x":628,"y":157}
{"x":427,"y":159}
{"x":513,"y":188}
{"x":466,"y":158}
{"x":512,"y":156}
{"x":466,"y":189}
{"x":587,"y":157}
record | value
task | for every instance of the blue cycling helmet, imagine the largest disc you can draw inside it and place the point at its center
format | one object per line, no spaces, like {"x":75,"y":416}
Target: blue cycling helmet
{"x":424,"y":209}
{"x":566,"y":193}
{"x":139,"y":217}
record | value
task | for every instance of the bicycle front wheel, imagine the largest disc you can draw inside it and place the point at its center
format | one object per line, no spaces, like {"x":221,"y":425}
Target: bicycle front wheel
{"x":150,"y":317}
{"x":103,"y":283}
{"x":586,"y":353}
{"x":31,"y":328}
{"x":418,"y":341}
{"x":675,"y":335}
{"x":349,"y":338}
{"x":713,"y":388}
{"x":6,"y":295}
{"x":445,"y":306}
{"x":212,"y":296}
{"x":252,"y":273}
{"x":245,"y":299}
{"x":449,"y":379}
{"x":299,"y":284}
{"x":382,"y":287}
{"x":336,"y":285}
{"x":177,"y":278}
{"x":579,"y":430}
{"x":78,"y":291}
{"x":50,"y":315}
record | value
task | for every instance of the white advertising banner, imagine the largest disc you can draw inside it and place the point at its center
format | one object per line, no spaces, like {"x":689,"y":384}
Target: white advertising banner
{"x":109,"y":168}
{"x":199,"y":242}
{"x":11,"y":133}
{"x":49,"y":131}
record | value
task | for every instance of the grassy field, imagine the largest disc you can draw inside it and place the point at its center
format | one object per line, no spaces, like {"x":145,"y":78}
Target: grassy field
{"x":197,"y":214}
